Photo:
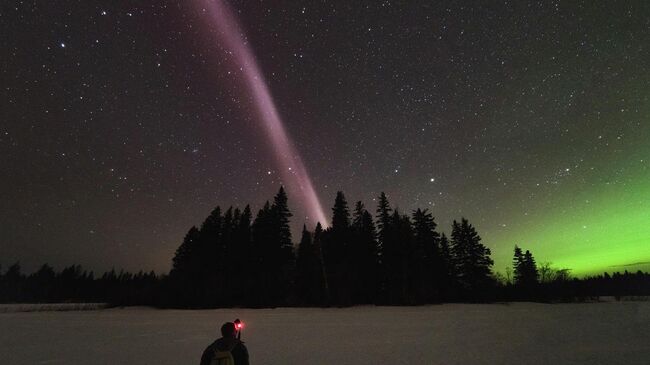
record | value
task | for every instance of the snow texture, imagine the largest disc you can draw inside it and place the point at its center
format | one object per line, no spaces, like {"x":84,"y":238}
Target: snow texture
{"x":519,"y":333}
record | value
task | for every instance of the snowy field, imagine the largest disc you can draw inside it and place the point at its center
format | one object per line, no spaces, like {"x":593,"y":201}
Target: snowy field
{"x":519,"y":333}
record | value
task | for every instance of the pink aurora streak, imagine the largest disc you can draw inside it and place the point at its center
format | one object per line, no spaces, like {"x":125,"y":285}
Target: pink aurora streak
{"x":291,"y":165}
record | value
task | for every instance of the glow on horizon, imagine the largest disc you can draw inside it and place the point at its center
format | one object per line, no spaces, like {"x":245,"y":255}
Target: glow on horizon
{"x":292,"y":168}
{"x":596,"y":230}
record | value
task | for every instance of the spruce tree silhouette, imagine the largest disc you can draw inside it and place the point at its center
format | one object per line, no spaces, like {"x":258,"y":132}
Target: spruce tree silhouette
{"x":428,"y":273}
{"x":364,"y":256}
{"x":209,"y":262}
{"x":383,"y":217}
{"x":242,"y":257}
{"x":526,"y":275}
{"x":14,"y":273}
{"x":273,"y":252}
{"x":396,"y":258}
{"x":308,"y":271}
{"x":281,"y":215}
{"x":42,"y":283}
{"x":335,"y":252}
{"x":283,"y":257}
{"x":530,"y":269}
{"x":517,"y":265}
{"x":406,"y":261}
{"x":227,"y":269}
{"x":472,"y":262}
{"x":530,"y":277}
{"x":261,"y":254}
{"x":183,"y":290}
{"x":324,"y":296}
{"x":383,"y":235}
{"x":13,"y":283}
{"x":447,"y":273}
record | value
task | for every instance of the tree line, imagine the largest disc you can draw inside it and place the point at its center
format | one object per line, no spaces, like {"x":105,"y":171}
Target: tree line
{"x":363,"y":258}
{"x":73,"y":284}
{"x":380,"y":256}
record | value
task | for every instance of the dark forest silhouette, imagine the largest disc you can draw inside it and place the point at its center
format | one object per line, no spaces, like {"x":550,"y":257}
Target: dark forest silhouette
{"x":382,"y":257}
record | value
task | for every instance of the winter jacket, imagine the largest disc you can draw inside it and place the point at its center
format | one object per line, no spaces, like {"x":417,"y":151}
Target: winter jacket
{"x":235,"y":346}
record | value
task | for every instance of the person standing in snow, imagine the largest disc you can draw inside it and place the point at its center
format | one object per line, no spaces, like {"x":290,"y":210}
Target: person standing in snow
{"x":228,"y":350}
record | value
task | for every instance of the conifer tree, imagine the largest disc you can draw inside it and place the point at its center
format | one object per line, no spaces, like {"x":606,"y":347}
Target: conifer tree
{"x":274,"y":251}
{"x":243,"y":257}
{"x":283,"y":247}
{"x":427,"y":267}
{"x":324,"y":296}
{"x":43,"y":283}
{"x":210,"y":261}
{"x":406,"y":261}
{"x":364,"y":256}
{"x":518,"y":265}
{"x":262,"y":252}
{"x":524,"y":268}
{"x":226,"y":269}
{"x":14,"y":272}
{"x":13,"y":281}
{"x":281,"y":216}
{"x":471,"y":258}
{"x":307,"y":270}
{"x":383,"y":217}
{"x":340,"y":213}
{"x":186,"y":254}
{"x":211,"y":228}
{"x":185,"y":276}
{"x":531,"y":273}
{"x":445,"y":253}
{"x":245,"y":220}
{"x":396,"y":259}
{"x":384,"y":229}
{"x":446,"y":269}
{"x":335,"y":251}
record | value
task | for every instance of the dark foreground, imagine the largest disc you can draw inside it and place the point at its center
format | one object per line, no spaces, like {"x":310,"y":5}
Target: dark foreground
{"x":517,"y":333}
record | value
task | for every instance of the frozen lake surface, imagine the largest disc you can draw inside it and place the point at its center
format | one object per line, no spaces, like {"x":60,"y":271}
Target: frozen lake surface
{"x":519,"y":333}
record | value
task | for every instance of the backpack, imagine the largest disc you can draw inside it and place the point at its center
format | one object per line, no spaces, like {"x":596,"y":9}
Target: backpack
{"x":222,"y":358}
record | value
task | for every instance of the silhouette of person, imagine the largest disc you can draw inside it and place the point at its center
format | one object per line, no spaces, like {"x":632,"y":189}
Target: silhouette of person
{"x":228,"y":350}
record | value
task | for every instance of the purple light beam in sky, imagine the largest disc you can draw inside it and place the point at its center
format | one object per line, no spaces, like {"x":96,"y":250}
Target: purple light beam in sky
{"x":293,"y":170}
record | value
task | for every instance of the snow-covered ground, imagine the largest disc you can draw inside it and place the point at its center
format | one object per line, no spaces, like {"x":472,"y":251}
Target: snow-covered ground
{"x":519,"y":333}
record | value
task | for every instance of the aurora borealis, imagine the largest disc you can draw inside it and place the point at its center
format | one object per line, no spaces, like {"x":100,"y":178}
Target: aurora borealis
{"x":605,"y":229}
{"x":123,"y":125}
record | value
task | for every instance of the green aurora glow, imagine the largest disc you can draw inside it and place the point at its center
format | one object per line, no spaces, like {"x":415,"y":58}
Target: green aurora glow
{"x":603,"y":228}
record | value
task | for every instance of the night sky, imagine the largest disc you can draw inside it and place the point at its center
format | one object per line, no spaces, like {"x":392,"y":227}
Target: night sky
{"x":122,"y":124}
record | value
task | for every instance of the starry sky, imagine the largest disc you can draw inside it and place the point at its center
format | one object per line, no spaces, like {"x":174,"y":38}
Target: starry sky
{"x":122,"y":124}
